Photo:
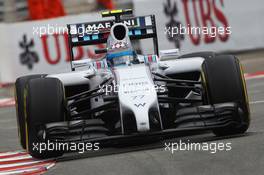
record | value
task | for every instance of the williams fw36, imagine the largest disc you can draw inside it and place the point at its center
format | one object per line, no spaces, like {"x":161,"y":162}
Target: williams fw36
{"x":126,"y":96}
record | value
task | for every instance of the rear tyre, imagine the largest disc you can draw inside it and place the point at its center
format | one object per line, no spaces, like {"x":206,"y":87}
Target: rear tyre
{"x":224,"y":82}
{"x":19,"y":96}
{"x":44,"y":101}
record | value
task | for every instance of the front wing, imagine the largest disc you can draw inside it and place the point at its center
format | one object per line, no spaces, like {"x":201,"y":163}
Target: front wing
{"x":188,"y":120}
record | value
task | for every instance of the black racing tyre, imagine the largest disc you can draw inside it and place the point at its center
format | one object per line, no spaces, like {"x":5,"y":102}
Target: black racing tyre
{"x":19,"y":96}
{"x":224,"y":82}
{"x":44,"y":103}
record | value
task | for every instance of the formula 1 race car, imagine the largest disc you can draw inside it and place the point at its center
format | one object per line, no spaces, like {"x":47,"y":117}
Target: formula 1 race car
{"x":126,"y":96}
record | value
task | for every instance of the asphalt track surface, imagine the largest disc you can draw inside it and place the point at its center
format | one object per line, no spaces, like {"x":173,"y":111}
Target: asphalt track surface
{"x":245,"y":157}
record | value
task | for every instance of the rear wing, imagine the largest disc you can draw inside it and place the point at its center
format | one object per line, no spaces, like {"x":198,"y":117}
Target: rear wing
{"x":93,"y":33}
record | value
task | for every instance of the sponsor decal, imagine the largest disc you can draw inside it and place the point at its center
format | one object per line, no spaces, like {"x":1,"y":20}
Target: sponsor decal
{"x":28,"y":57}
{"x":119,"y":45}
{"x":171,"y":11}
{"x":98,"y":27}
{"x":54,"y":51}
{"x":210,"y":14}
{"x":205,"y":22}
{"x":107,"y":25}
{"x":140,"y":105}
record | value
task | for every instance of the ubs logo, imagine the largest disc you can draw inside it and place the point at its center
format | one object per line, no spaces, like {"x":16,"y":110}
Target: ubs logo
{"x":28,"y":57}
{"x":171,"y":11}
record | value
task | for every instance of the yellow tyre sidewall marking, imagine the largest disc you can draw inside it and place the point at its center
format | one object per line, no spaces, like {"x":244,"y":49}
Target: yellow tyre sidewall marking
{"x":244,"y":89}
{"x":205,"y":85}
{"x":18,"y":125}
{"x":26,"y":118}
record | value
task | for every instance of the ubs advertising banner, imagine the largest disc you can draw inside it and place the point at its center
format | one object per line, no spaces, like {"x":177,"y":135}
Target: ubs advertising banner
{"x":40,"y":47}
{"x":205,"y":25}
{"x":192,"y":25}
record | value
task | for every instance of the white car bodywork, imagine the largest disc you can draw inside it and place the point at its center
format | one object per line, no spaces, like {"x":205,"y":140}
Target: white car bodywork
{"x":136,"y":93}
{"x":171,"y":66}
{"x":138,"y":99}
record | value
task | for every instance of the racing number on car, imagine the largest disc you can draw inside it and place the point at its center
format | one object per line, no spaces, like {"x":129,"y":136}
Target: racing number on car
{"x":138,"y":97}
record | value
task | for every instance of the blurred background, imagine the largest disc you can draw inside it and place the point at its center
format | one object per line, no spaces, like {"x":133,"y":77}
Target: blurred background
{"x":26,"y":10}
{"x":24,"y":51}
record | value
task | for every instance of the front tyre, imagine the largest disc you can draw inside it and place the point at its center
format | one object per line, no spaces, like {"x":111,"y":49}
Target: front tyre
{"x":19,"y":96}
{"x":44,"y":103}
{"x":224,"y":82}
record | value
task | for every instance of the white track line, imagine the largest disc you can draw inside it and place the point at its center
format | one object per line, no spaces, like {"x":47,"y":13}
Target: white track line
{"x":23,"y":171}
{"x":15,"y":158}
{"x":254,"y":77}
{"x":256,"y":102}
{"x":5,"y":102}
{"x":10,"y":153}
{"x":18,"y":163}
{"x":29,"y":163}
